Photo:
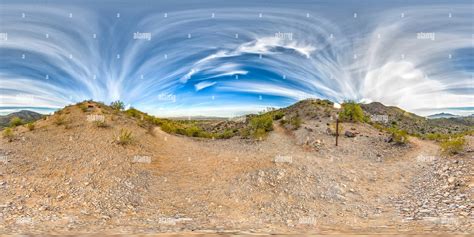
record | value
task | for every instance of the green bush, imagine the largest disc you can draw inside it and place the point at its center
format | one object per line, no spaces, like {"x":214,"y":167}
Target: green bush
{"x":264,"y":122}
{"x":8,"y":134}
{"x":277,"y":115}
{"x":117,"y":105}
{"x":440,"y":137}
{"x":244,"y":132}
{"x":134,"y":113}
{"x":83,"y":107}
{"x":226,"y":134}
{"x":399,"y":136}
{"x":125,"y":137}
{"x":167,"y":126}
{"x":351,"y":112}
{"x":295,"y":122}
{"x":15,"y":121}
{"x":260,"y":125}
{"x":259,"y":133}
{"x":453,"y":146}
{"x":192,"y":131}
{"x":188,"y":128}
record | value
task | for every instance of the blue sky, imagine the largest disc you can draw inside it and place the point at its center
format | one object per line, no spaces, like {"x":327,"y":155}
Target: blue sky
{"x":227,"y":58}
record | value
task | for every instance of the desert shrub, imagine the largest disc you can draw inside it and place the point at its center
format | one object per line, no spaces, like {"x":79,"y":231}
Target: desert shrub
{"x":15,"y":121}
{"x":167,"y":126}
{"x":351,"y":112}
{"x":100,"y":123}
{"x":295,"y":122}
{"x":117,"y":105}
{"x":8,"y":134}
{"x":399,"y":136}
{"x":260,"y":125}
{"x":277,"y":115}
{"x":259,"y":133}
{"x":226,"y":134}
{"x":453,"y":146}
{"x":264,"y":122}
{"x":83,"y":107}
{"x":244,"y":132}
{"x":192,"y":131}
{"x":124,"y":137}
{"x":440,"y":137}
{"x":30,"y":126}
{"x":187,"y":128}
{"x":60,"y":120}
{"x":133,"y":113}
{"x":333,"y":126}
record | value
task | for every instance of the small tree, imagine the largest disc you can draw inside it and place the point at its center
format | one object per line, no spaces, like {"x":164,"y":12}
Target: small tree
{"x":117,"y":105}
{"x":351,"y":112}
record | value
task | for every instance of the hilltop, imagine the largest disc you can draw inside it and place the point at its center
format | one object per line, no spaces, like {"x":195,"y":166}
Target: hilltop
{"x":92,"y":167}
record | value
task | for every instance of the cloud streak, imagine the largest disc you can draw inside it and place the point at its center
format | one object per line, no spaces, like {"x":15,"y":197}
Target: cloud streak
{"x":237,"y":59}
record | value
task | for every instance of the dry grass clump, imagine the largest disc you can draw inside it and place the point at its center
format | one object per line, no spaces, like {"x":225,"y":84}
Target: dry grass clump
{"x":124,"y":137}
{"x":30,"y":126}
{"x":8,"y":134}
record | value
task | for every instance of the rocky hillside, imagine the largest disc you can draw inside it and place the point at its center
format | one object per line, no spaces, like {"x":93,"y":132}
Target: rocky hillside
{"x":414,"y":124}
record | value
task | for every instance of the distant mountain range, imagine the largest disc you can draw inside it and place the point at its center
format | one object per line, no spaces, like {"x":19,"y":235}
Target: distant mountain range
{"x":442,"y":115}
{"x":25,"y":115}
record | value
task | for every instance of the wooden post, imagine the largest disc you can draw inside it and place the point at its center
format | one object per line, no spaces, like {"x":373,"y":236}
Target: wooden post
{"x":337,"y":129}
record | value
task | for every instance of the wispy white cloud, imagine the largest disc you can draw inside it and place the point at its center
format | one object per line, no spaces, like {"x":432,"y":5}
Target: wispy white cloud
{"x":201,"y":85}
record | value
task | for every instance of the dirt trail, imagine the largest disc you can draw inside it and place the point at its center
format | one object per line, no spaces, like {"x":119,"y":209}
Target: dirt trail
{"x":196,"y":177}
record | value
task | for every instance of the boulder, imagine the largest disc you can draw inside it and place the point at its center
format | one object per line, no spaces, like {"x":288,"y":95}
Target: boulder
{"x":349,"y":134}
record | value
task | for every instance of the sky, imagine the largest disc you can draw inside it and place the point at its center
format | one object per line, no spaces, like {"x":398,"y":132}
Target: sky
{"x":228,"y":58}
